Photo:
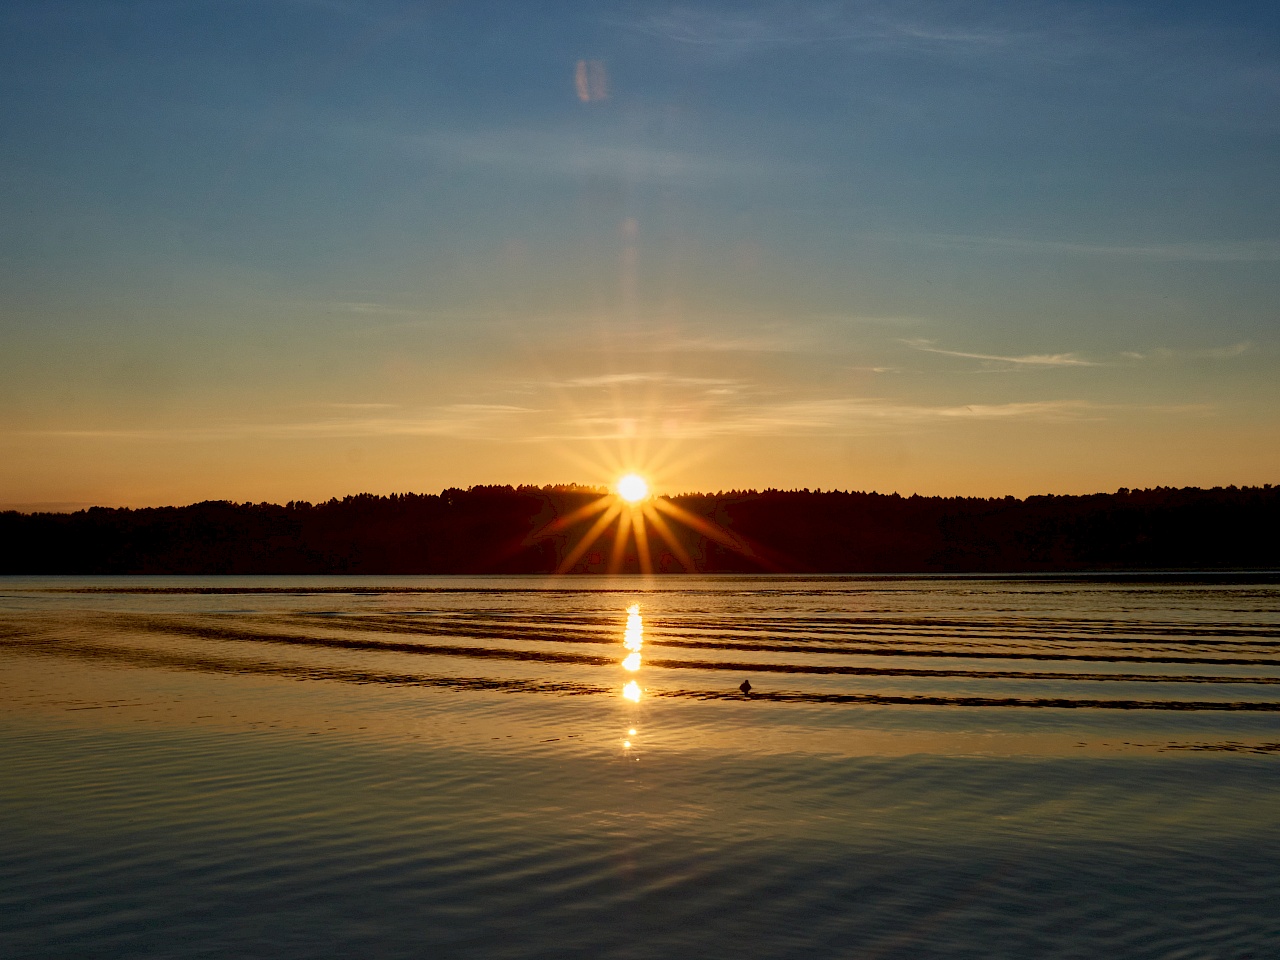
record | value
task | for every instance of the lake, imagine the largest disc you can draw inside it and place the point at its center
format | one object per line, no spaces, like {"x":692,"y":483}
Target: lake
{"x":567,"y":767}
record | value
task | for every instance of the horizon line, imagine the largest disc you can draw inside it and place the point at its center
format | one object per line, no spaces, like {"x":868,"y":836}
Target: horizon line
{"x":37,"y":508}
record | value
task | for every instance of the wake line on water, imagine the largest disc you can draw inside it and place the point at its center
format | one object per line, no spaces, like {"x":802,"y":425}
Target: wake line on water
{"x":810,"y":632}
{"x":982,"y":628}
{"x":227,"y":633}
{"x":937,"y":700}
{"x":132,"y":656}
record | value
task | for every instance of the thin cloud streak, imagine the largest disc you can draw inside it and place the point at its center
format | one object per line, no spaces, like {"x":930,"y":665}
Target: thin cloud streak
{"x":457,"y":420}
{"x":1208,"y":251}
{"x":1229,"y":352}
{"x":832,"y":416}
{"x":1030,"y":359}
{"x":804,"y":26}
{"x":728,"y":416}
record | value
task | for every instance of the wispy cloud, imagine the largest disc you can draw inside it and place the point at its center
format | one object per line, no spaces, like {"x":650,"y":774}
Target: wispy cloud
{"x":791,"y":25}
{"x":720,"y":412}
{"x":840,"y":416}
{"x":1206,"y":251}
{"x":458,"y":420}
{"x":856,"y":414}
{"x":1229,"y":352}
{"x":1029,"y":359}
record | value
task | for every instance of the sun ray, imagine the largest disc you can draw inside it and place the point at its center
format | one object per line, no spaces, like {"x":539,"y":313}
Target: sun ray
{"x":558,"y":524}
{"x":600,"y":460}
{"x":642,"y":542}
{"x":670,"y":539}
{"x":589,"y":538}
{"x":715,"y":532}
{"x":618,"y":555}
{"x":640,"y":514}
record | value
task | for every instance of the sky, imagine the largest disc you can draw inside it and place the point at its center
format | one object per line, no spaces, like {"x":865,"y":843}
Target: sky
{"x":294,"y":249}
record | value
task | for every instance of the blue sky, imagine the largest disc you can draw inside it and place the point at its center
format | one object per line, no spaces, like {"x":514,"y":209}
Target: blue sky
{"x":298,"y":248}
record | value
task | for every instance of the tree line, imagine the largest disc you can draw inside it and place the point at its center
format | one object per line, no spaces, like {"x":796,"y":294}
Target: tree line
{"x":503,"y":529}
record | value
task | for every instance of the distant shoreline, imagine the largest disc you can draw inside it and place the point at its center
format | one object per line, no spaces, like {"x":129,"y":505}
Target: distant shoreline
{"x":1161,"y":532}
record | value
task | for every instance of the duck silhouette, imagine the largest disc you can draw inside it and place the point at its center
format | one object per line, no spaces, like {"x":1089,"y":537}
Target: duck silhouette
{"x":745,"y":687}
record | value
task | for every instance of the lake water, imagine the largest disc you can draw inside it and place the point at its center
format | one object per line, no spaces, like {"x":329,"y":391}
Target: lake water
{"x":539,"y":767}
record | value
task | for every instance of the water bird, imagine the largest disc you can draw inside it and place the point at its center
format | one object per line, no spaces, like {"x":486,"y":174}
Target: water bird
{"x":745,"y":687}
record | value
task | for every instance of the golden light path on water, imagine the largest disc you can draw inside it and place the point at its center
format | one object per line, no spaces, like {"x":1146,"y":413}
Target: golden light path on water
{"x":632,"y":642}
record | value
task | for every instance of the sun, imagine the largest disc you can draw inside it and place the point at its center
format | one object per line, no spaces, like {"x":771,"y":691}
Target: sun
{"x":633,"y":488}
{"x":637,"y":515}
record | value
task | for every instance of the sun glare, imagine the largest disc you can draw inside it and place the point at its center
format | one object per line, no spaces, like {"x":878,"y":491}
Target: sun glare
{"x":640,"y":524}
{"x":633,"y":488}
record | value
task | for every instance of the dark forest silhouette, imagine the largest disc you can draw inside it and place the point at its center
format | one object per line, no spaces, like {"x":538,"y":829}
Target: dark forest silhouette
{"x":502,"y":529}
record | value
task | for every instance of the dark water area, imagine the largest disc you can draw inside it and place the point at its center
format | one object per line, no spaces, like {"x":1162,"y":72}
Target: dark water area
{"x":566,"y":767}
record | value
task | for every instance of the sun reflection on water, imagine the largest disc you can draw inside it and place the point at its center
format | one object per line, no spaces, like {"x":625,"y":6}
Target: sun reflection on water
{"x":633,"y":638}
{"x":632,"y":642}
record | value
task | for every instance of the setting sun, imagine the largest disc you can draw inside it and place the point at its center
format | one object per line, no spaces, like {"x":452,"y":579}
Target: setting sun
{"x":633,"y":488}
{"x":636,"y":515}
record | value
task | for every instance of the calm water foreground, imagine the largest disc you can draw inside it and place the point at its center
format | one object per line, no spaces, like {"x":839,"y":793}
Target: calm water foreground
{"x":537,"y":767}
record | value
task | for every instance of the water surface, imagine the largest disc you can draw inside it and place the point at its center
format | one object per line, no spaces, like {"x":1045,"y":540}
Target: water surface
{"x":541,"y":767}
